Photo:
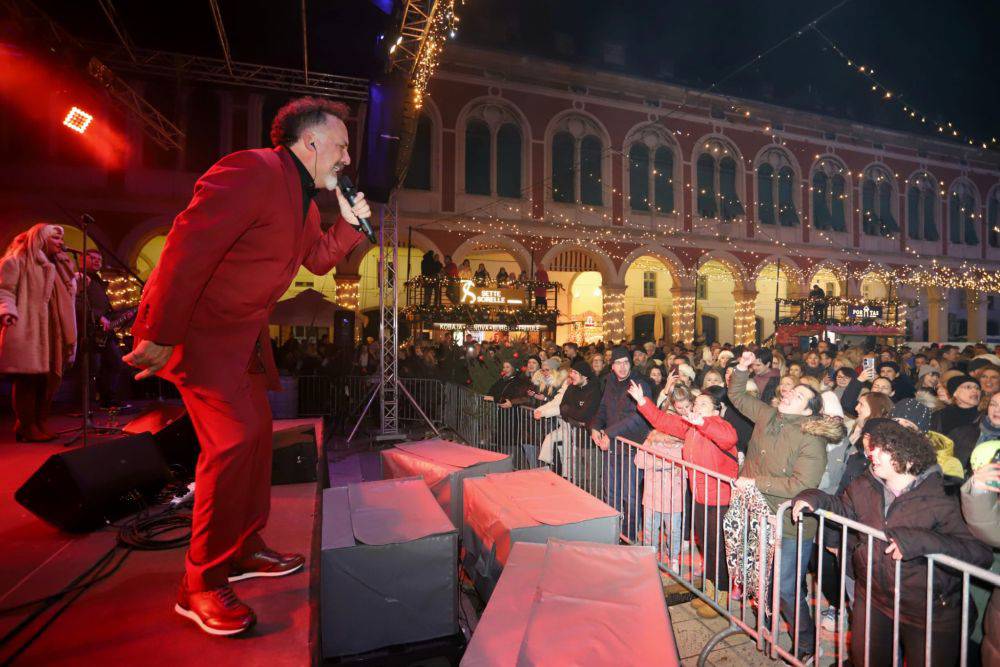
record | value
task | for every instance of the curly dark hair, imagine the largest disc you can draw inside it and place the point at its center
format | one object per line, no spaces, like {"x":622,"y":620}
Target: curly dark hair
{"x":301,"y":114}
{"x":911,"y":451}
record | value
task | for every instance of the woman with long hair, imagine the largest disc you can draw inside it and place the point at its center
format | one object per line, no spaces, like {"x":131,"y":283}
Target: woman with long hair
{"x":37,"y":324}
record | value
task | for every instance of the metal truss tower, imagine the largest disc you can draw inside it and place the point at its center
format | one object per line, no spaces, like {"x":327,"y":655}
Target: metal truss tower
{"x":388,"y":300}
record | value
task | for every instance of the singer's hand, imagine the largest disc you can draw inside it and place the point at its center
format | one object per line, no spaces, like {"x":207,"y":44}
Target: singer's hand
{"x":148,"y":356}
{"x":352,"y":213}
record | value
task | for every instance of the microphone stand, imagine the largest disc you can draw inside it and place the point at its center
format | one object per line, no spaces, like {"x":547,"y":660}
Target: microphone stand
{"x":84,"y":349}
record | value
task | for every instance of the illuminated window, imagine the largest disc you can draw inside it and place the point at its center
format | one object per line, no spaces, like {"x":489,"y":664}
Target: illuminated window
{"x":649,"y":284}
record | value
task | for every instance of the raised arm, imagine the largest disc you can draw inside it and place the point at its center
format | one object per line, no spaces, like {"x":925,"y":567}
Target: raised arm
{"x":751,"y":407}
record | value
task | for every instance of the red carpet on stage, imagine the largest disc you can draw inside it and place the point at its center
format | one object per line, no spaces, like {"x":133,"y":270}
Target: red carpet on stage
{"x":129,"y":618}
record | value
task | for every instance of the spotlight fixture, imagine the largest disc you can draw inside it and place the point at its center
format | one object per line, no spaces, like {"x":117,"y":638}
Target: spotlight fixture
{"x":78,"y":120}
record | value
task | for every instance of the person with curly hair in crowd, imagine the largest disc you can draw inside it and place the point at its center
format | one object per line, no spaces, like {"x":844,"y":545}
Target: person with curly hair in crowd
{"x":902,"y":494}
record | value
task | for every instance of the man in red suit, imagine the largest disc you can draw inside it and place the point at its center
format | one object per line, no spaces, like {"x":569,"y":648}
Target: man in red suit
{"x":202,"y":324}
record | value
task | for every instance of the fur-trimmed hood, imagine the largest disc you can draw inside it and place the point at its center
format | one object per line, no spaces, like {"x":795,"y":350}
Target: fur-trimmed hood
{"x":831,"y":429}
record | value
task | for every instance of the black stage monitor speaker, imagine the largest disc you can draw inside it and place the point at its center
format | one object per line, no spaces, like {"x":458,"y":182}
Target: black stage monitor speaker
{"x":296,"y":455}
{"x":174,"y":435}
{"x":81,"y":489}
{"x":343,"y":329}
{"x":383,"y":129}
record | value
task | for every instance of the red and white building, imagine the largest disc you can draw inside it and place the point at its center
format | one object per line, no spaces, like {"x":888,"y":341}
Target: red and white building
{"x":649,"y":202}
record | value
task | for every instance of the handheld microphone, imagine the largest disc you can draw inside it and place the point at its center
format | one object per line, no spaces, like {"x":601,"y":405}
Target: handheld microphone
{"x":349,"y":191}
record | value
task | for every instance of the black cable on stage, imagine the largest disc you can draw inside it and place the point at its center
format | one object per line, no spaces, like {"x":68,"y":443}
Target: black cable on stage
{"x":141,"y":533}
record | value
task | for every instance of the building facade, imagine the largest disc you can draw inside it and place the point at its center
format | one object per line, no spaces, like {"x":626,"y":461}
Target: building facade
{"x":661,"y":210}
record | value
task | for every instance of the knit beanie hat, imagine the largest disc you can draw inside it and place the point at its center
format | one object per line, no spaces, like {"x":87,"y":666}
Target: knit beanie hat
{"x":914,"y":411}
{"x":583,"y":368}
{"x":552,"y":363}
{"x":620,"y":352}
{"x":927,"y":369}
{"x":957,"y":381}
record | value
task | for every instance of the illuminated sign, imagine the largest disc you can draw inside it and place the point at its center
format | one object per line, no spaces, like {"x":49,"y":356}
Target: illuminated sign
{"x":490,"y":297}
{"x":864,"y":312}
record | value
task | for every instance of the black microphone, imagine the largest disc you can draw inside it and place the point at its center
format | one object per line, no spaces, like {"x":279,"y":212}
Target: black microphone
{"x":350,"y":192}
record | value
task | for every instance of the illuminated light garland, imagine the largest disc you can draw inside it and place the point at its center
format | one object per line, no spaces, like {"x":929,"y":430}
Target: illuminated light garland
{"x":348,"y":292}
{"x":682,"y":320}
{"x":613,"y":319}
{"x":744,"y":322}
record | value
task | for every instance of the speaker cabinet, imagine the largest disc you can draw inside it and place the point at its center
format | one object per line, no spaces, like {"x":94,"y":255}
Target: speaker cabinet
{"x":82,"y":489}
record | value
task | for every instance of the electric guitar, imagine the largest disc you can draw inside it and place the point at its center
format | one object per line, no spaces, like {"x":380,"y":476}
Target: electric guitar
{"x":101,"y":337}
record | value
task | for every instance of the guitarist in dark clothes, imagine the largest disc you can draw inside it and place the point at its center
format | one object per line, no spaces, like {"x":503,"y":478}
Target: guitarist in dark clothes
{"x":106,"y":364}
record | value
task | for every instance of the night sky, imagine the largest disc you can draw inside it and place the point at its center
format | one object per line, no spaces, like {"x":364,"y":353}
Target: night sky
{"x":940,"y":57}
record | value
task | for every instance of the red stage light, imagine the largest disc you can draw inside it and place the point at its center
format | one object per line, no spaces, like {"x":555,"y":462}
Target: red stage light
{"x":78,"y":120}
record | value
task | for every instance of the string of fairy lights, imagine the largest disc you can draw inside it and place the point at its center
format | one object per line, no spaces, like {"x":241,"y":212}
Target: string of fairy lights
{"x":876,"y":217}
{"x":893,"y":95}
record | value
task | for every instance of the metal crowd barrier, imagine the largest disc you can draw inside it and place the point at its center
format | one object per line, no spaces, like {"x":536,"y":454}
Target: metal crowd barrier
{"x":639,"y":480}
{"x":849,"y":593}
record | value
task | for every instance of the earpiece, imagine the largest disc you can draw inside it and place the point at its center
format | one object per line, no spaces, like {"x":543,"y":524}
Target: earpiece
{"x":313,"y":144}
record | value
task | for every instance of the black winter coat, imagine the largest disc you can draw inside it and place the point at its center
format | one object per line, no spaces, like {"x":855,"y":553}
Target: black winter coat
{"x":618,"y":415}
{"x":579,"y":404}
{"x":922,"y":521}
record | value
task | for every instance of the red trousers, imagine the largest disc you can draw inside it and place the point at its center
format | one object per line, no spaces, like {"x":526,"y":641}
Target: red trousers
{"x":232,"y":481}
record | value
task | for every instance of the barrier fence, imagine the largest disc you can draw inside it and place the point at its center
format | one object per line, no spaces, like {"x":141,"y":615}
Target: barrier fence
{"x":717,"y":542}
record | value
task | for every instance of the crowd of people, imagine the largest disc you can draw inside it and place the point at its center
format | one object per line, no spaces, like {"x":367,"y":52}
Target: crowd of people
{"x":890,"y":437}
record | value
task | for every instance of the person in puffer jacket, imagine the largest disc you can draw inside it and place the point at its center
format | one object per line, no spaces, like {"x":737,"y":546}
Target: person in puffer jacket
{"x":902,"y":495}
{"x":710,"y":443}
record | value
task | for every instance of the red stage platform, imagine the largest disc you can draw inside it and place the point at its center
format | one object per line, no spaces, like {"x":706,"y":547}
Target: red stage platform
{"x":129,"y":618}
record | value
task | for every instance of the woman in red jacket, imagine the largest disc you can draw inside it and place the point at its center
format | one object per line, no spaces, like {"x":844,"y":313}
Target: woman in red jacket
{"x":710,"y":443}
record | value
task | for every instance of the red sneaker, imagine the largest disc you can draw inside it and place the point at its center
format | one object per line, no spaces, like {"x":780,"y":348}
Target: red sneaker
{"x":265,"y":563}
{"x":217,"y":612}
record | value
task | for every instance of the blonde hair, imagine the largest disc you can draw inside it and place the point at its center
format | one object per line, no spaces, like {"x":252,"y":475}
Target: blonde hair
{"x":812,"y":383}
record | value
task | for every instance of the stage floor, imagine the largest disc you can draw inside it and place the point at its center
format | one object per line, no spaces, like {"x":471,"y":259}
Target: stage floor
{"x":129,"y":618}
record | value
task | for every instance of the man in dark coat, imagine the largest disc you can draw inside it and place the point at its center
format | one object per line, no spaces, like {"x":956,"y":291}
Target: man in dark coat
{"x":618,"y":417}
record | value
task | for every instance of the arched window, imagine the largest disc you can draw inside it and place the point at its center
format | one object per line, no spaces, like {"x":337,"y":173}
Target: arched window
{"x":509,"y":161}
{"x":921,"y":202}
{"x":717,"y":171}
{"x":788,"y":216}
{"x":729,"y":198}
{"x":493,"y":151}
{"x":765,"y":195}
{"x":993,"y":217}
{"x":838,"y":206}
{"x":418,"y":172}
{"x":563,"y":173}
{"x":821,"y":201}
{"x":477,"y":158}
{"x":638,"y":177}
{"x":651,"y":170}
{"x":707,"y":201}
{"x":876,"y":203}
{"x":591,"y":184}
{"x":578,"y":161}
{"x":776,"y":189}
{"x":663,"y":179}
{"x":962,"y":214}
{"x":829,"y":195}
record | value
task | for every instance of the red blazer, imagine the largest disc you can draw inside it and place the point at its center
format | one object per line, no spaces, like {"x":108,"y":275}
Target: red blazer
{"x":227,"y":260}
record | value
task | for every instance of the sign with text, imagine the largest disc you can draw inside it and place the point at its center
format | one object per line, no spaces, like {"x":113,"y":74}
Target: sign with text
{"x":486,"y":296}
{"x":865,"y":312}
